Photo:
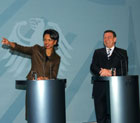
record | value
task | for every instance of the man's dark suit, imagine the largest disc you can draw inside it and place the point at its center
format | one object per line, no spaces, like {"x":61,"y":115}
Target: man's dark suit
{"x":118,"y":60}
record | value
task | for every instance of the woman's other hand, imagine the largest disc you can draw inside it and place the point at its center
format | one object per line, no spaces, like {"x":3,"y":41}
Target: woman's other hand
{"x":42,"y":78}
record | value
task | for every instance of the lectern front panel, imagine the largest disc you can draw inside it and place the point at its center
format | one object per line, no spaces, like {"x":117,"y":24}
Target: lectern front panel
{"x":124,"y":99}
{"x":46,"y":101}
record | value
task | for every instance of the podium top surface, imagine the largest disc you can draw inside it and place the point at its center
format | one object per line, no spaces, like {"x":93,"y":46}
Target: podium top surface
{"x":103,"y":78}
{"x":22,"y":84}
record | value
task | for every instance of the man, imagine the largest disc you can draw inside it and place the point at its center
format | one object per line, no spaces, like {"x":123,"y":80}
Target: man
{"x":103,"y":61}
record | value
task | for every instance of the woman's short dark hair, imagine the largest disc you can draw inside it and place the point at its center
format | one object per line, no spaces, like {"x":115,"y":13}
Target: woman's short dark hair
{"x":53,"y":35}
{"x":114,"y":34}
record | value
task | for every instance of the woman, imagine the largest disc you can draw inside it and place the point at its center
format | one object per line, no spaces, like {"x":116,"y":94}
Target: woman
{"x":45,"y":61}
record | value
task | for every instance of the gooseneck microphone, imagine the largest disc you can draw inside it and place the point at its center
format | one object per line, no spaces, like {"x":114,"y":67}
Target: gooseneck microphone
{"x":50,"y":66}
{"x":44,"y":64}
{"x":50,"y":70}
{"x":122,"y":58}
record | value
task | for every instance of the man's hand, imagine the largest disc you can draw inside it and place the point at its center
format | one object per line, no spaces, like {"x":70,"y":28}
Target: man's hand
{"x":105,"y":72}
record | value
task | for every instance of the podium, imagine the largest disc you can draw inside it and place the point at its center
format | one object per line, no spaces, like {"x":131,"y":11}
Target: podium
{"x":123,"y":93}
{"x":45,"y":100}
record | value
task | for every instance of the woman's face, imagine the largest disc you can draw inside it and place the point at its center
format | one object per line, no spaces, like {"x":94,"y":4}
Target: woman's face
{"x":48,"y":42}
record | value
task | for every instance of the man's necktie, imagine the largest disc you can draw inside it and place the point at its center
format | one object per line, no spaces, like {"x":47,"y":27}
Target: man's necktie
{"x":108,"y":53}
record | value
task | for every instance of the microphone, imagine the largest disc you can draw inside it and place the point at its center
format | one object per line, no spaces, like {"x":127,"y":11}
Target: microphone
{"x":44,"y":64}
{"x":50,"y":69}
{"x":50,"y":65}
{"x":123,"y":58}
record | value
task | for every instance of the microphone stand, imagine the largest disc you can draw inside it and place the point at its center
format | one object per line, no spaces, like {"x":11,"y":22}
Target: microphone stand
{"x":50,"y":69}
{"x":121,"y":56}
{"x":121,"y":68}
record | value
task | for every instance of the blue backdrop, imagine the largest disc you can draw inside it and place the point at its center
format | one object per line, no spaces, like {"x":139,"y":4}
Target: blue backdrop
{"x":81,"y":24}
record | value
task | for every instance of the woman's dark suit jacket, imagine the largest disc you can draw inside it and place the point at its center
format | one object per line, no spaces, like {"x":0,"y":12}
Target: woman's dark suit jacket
{"x":41,"y":64}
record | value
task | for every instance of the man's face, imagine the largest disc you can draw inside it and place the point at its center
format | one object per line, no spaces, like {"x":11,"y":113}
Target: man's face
{"x":109,"y":39}
{"x":48,"y":42}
